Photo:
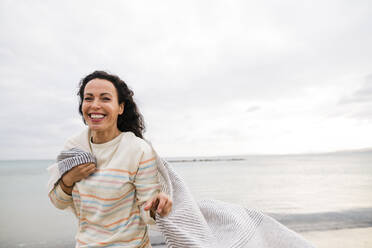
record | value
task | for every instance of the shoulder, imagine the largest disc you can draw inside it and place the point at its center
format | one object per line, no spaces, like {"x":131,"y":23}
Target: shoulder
{"x":137,"y":143}
{"x":79,"y":140}
{"x":141,"y":151}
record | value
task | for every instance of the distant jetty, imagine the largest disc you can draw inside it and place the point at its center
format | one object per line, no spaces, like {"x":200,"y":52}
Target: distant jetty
{"x":203,"y":160}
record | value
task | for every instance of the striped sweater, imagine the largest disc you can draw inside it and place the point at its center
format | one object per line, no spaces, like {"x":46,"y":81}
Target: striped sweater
{"x":108,"y":202}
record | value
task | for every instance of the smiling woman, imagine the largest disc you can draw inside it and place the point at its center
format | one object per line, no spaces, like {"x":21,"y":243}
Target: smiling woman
{"x":101,"y":109}
{"x":107,"y":174}
{"x":117,"y":91}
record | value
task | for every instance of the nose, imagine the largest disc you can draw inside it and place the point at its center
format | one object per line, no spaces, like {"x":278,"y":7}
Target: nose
{"x":95,"y":104}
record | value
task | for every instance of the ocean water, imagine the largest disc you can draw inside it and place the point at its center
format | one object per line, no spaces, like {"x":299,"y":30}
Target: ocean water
{"x":304,"y":192}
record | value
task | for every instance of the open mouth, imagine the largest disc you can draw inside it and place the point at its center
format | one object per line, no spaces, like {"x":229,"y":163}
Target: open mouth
{"x":96,"y":117}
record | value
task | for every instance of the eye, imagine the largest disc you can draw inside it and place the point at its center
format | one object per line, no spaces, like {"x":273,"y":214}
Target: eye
{"x":88,"y":99}
{"x":106,"y":99}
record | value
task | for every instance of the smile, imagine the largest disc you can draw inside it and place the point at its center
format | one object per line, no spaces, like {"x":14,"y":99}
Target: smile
{"x":96,"y":117}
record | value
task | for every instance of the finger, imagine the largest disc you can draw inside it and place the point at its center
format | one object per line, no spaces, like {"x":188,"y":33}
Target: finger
{"x":162,"y":203}
{"x":87,"y":167}
{"x":85,"y":172}
{"x":89,"y":172}
{"x":92,"y":170}
{"x":91,"y":165}
{"x":81,"y":166}
{"x":168,"y":207}
{"x":148,"y":204}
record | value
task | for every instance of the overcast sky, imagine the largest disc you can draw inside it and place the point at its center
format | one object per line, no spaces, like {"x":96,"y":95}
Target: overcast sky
{"x":210,"y":77}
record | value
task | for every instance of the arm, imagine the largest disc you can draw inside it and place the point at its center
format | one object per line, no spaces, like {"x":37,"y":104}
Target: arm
{"x":146,"y":181}
{"x":60,"y":196}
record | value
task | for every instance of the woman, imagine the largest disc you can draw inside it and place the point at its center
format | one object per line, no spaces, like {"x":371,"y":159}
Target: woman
{"x":115,"y":198}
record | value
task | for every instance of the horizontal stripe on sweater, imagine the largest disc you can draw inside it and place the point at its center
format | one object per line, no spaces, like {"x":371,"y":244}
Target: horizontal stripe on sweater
{"x":98,"y":210}
{"x":111,"y":175}
{"x":96,"y":233}
{"x":75,"y":193}
{"x":147,"y":166}
{"x":148,"y":160}
{"x":115,"y":242}
{"x":101,"y":214}
{"x":90,"y":184}
{"x":142,"y":190}
{"x":117,"y":170}
{"x":130,"y":195}
{"x":145,"y":178}
{"x":146,"y":172}
{"x":115,"y":227}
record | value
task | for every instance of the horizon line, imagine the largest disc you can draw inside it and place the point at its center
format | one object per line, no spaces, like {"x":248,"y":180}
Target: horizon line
{"x":339,"y":152}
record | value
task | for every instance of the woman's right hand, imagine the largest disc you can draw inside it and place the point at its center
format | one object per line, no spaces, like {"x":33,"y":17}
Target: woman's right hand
{"x":75,"y":175}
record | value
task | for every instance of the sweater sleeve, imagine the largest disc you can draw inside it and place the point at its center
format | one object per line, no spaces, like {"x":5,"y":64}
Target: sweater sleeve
{"x":146,"y":181}
{"x":59,"y":198}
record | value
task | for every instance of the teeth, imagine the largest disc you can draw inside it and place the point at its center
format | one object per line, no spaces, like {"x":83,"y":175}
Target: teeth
{"x":94,"y":116}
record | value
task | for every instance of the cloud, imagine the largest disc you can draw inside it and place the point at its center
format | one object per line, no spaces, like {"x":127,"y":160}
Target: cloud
{"x":252,"y":109}
{"x":358,"y":104}
{"x":203,"y":75}
{"x":362,"y":95}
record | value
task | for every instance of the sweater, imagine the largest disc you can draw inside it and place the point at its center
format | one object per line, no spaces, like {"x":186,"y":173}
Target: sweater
{"x":108,"y":202}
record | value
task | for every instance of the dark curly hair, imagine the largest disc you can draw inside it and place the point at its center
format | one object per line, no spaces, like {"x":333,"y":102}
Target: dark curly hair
{"x":131,"y":119}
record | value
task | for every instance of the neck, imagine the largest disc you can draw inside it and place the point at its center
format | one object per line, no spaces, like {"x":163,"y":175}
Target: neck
{"x":100,"y":137}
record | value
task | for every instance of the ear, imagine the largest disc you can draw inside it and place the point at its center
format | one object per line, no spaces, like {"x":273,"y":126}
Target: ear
{"x":121,"y":108}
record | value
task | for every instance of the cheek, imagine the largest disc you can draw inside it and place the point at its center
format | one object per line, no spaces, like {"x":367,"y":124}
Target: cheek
{"x":114,"y":110}
{"x":84,"y":108}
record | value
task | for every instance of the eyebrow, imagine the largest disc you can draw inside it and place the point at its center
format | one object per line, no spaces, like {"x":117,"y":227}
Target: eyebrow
{"x":102,"y":94}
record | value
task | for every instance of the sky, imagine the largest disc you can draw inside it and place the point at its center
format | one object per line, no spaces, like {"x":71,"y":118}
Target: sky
{"x":210,"y":77}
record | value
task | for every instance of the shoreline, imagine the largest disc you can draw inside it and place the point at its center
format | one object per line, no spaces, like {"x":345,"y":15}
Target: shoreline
{"x":351,"y":237}
{"x":326,"y":221}
{"x":334,"y":238}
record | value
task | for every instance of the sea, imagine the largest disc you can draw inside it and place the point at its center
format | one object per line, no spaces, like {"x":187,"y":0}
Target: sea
{"x":311,"y":192}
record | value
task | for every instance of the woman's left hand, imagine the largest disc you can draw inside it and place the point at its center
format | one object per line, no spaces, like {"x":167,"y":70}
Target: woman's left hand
{"x":161,"y":203}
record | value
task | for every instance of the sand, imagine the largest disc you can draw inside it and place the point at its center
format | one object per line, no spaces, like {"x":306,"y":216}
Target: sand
{"x":343,"y":238}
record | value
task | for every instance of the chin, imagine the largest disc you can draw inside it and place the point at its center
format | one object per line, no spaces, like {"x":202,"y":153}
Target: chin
{"x":96,"y":128}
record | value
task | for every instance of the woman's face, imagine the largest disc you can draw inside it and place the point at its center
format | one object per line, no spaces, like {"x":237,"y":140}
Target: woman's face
{"x":100,"y":105}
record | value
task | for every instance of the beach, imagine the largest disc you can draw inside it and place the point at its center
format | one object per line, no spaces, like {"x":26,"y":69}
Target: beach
{"x":353,"y":238}
{"x":325,"y":198}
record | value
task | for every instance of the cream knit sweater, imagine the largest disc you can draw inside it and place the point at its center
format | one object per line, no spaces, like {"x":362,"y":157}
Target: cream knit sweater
{"x":108,"y":203}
